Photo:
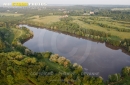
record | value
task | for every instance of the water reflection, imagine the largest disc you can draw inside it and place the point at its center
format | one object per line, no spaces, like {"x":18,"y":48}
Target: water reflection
{"x":93,"y":56}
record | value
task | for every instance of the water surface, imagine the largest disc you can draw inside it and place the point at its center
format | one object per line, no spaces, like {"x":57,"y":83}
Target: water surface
{"x":95,"y":57}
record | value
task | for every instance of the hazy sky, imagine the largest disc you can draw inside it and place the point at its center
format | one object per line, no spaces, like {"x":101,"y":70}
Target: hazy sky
{"x":110,"y":2}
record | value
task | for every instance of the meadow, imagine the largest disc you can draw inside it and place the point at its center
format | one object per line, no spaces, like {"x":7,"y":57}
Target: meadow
{"x":103,"y":20}
{"x":46,"y":19}
{"x":10,"y":14}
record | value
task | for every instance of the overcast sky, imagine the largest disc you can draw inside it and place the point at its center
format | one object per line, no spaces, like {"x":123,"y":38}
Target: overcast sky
{"x":108,"y":2}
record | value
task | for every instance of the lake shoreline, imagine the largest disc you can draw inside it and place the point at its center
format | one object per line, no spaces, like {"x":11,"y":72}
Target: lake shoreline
{"x":83,"y":37}
{"x":78,"y":37}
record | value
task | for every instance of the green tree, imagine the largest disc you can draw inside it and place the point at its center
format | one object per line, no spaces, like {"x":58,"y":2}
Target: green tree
{"x":10,"y":80}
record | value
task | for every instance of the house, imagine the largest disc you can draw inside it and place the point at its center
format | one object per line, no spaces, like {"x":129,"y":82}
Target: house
{"x":65,"y":16}
{"x":86,"y":14}
{"x":91,"y":12}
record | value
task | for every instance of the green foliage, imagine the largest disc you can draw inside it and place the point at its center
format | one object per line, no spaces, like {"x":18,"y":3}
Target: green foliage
{"x":5,"y":39}
{"x":123,"y":79}
{"x":106,"y":26}
{"x":54,"y":58}
{"x":10,"y":80}
{"x":60,"y":60}
{"x":30,"y":60}
{"x":117,"y":15}
{"x":89,"y":33}
{"x":66,"y":19}
{"x":46,"y":54}
{"x":125,"y":71}
{"x":2,"y":45}
{"x":114,"y":78}
{"x":126,"y":43}
{"x":22,"y":66}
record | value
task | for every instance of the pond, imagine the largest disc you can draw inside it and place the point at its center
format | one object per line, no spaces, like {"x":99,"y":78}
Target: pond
{"x":96,"y":58}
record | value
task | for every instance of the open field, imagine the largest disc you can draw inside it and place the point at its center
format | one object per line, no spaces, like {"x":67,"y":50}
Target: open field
{"x":10,"y":14}
{"x":118,"y":24}
{"x":104,"y":20}
{"x":120,"y":9}
{"x":122,"y":35}
{"x":17,"y":32}
{"x":45,"y":20}
{"x":109,"y":21}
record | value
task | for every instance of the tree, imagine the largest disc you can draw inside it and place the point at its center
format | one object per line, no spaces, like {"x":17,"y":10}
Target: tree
{"x":10,"y":80}
{"x":125,"y":71}
{"x":2,"y":45}
{"x":29,"y":60}
{"x":61,"y":60}
{"x":46,"y":54}
{"x":114,"y":77}
{"x":19,"y":57}
{"x":54,"y":58}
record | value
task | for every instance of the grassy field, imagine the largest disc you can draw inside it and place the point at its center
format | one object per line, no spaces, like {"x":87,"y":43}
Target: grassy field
{"x":17,"y":32}
{"x":45,"y":20}
{"x":104,"y":20}
{"x":11,"y":34}
{"x":122,"y":35}
{"x":10,"y":14}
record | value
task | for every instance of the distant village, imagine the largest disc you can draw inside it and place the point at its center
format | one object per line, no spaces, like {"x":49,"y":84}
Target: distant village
{"x":65,"y":12}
